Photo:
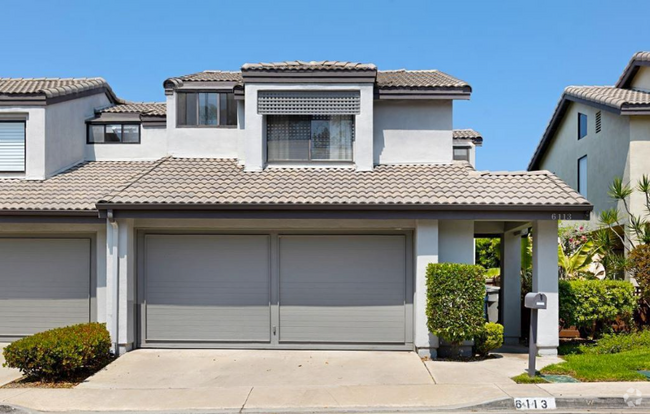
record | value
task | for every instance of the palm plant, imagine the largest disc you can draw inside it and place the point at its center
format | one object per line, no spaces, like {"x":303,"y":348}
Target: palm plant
{"x":576,"y":264}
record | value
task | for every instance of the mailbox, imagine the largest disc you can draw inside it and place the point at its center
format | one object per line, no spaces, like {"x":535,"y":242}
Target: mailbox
{"x":535,"y":301}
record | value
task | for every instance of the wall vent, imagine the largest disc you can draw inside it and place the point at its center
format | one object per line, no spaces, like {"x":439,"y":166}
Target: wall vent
{"x":308,"y":103}
{"x":598,"y":121}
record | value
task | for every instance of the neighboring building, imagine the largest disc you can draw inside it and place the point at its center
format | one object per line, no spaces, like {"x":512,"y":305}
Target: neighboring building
{"x":288,"y":205}
{"x":598,"y":133}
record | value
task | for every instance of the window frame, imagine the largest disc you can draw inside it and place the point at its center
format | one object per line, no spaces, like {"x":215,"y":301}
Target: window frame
{"x":309,"y":159}
{"x":586,"y":177}
{"x":24,"y":122}
{"x":586,"y":125}
{"x":467,"y":149}
{"x":91,"y":124}
{"x":197,"y":91}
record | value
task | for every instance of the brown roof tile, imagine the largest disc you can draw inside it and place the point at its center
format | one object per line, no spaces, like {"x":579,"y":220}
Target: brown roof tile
{"x":49,"y":87}
{"x":638,"y":59}
{"x":145,"y":108}
{"x":223,"y":181}
{"x":323,"y":65}
{"x":78,"y":188}
{"x":418,"y":79}
{"x":468,"y":134}
{"x":610,"y":96}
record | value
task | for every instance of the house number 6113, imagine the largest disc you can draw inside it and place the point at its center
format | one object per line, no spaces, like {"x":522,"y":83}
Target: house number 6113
{"x":561,"y":216}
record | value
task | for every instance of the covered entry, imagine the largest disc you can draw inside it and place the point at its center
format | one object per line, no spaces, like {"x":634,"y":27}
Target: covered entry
{"x":45,"y":283}
{"x":276,"y":290}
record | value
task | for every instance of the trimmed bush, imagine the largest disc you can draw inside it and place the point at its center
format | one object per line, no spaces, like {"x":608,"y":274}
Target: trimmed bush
{"x":61,"y":354}
{"x":489,"y":339}
{"x":594,"y":305}
{"x":613,"y":344}
{"x":455,"y":299}
{"x":640,"y":263}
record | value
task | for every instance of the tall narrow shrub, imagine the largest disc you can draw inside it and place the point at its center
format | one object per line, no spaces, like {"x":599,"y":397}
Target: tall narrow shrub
{"x":455,"y":301}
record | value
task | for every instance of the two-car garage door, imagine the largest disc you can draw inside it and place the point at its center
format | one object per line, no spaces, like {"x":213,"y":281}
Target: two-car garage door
{"x":271,"y":290}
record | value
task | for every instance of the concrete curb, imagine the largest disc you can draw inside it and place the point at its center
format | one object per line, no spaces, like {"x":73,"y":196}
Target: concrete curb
{"x":505,"y":404}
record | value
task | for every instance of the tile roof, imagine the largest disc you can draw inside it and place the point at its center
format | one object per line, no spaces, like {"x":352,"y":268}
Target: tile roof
{"x":223,"y":181}
{"x":212,"y":75}
{"x":49,"y":87}
{"x":638,"y":59}
{"x":145,"y":108}
{"x":323,"y":65}
{"x":469,"y":134}
{"x":610,"y":96}
{"x":78,"y":188}
{"x":417,"y":79}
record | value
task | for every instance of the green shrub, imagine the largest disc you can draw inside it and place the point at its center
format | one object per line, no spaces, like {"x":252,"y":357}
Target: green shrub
{"x":593,"y":305}
{"x":455,"y":298}
{"x":490,"y":338}
{"x":640,"y":263}
{"x":613,"y":344}
{"x":62,"y":353}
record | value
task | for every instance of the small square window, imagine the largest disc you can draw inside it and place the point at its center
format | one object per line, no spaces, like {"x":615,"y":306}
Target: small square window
{"x":461,"y":154}
{"x":113,"y":134}
{"x":582,"y":125}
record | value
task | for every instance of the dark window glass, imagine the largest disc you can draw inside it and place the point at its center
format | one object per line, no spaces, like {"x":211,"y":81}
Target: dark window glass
{"x":206,"y":108}
{"x":114,"y":133}
{"x":96,"y":133}
{"x":582,"y":176}
{"x":309,"y":138}
{"x":582,"y":125}
{"x":131,"y":133}
{"x":461,"y":154}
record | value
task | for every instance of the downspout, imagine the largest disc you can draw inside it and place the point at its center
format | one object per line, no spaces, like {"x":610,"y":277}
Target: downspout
{"x":115,"y":287}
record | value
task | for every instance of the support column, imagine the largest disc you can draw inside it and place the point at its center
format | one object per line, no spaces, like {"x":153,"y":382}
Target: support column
{"x":112,"y":276}
{"x":511,"y":288}
{"x":426,"y":251}
{"x":126,"y":294}
{"x":545,"y":280}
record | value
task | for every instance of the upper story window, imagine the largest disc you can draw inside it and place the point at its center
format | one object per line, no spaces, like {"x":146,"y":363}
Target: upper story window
{"x":461,"y":154}
{"x":582,"y":176}
{"x":113,"y":133}
{"x":309,"y":137}
{"x":582,"y":125}
{"x":211,"y":109}
{"x":12,"y":146}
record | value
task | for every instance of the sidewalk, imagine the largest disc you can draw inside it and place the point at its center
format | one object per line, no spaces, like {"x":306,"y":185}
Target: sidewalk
{"x":259,"y":381}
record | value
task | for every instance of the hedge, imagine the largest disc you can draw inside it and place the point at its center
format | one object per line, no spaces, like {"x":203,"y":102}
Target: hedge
{"x":640,"y":261}
{"x":455,"y":300}
{"x":61,"y":354}
{"x":591,"y":305}
{"x":489,"y":339}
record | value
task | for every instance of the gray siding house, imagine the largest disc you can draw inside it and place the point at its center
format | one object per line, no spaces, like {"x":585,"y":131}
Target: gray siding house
{"x":598,"y":133}
{"x":290,"y":205}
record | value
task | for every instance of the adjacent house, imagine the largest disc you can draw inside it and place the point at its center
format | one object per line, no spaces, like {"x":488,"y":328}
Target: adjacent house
{"x":290,"y":205}
{"x":598,"y":133}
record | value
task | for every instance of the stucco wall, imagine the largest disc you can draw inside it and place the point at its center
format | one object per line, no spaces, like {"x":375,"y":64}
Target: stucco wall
{"x":255,"y":139}
{"x":411,"y":131}
{"x":641,"y":80}
{"x":606,"y":151}
{"x":639,"y":159}
{"x":152,"y":146}
{"x":65,"y":126}
{"x":208,"y":142}
{"x":34,"y":141}
{"x":456,"y":241}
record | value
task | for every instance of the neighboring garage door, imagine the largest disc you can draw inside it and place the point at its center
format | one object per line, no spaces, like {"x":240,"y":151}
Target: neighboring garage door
{"x":44,"y":284}
{"x":343,"y":289}
{"x":207,"y":288}
{"x":275,"y":291}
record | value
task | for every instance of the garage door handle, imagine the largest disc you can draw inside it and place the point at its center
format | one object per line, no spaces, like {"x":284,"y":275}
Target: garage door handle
{"x":274,"y":330}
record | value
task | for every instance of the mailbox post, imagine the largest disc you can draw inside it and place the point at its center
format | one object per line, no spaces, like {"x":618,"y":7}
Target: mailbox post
{"x":534,"y":302}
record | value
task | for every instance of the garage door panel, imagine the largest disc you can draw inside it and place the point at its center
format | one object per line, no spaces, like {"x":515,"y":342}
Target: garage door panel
{"x":207,"y":288}
{"x":44,"y":284}
{"x":342,"y":289}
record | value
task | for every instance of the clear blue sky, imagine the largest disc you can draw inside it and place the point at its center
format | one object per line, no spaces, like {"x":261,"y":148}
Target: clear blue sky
{"x":517,"y":55}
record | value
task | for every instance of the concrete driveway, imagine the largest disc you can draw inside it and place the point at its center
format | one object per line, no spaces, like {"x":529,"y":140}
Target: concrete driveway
{"x":165,"y":369}
{"x":6,"y":374}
